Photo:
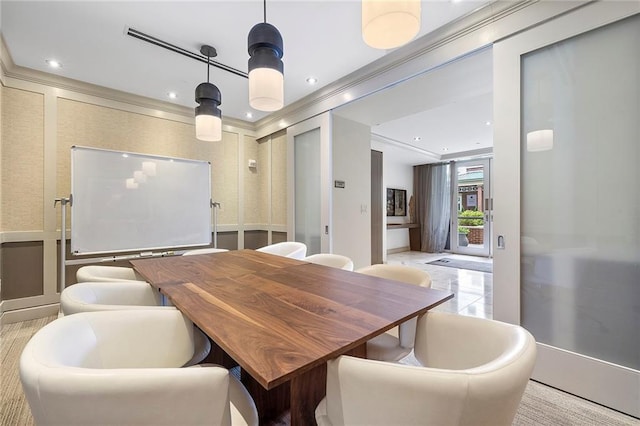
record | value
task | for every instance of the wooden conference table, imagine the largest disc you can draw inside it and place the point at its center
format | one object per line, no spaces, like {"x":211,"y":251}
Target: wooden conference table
{"x":281,"y":319}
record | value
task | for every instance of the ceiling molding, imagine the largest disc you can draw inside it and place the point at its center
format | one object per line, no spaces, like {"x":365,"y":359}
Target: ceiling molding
{"x":471,"y":32}
{"x":11,"y":70}
{"x":383,"y":139}
{"x":335,"y":91}
{"x":468,"y":155}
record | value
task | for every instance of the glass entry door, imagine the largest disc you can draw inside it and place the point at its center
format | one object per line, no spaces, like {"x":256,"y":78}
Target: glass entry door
{"x":566,"y":152}
{"x":471,"y":214}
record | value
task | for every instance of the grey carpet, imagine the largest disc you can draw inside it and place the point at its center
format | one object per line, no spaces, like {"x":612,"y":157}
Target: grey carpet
{"x":540,"y":406}
{"x":463,"y":264}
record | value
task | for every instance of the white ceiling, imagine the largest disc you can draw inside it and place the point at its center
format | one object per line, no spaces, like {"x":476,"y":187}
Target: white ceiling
{"x":447,"y":108}
{"x":321,"y":39}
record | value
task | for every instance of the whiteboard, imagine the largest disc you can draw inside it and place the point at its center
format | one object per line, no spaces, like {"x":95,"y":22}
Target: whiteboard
{"x":124,"y":201}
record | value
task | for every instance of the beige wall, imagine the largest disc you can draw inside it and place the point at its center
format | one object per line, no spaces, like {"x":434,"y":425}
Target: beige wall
{"x":252,"y":182}
{"x":22,"y":161}
{"x":39,"y":123}
{"x":85,"y":124}
{"x":2,"y":89}
{"x":279,"y":180}
{"x":264,"y":171}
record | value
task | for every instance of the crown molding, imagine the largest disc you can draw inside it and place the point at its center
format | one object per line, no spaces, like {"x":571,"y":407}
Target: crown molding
{"x":12,"y":71}
{"x":333,"y":93}
{"x":383,"y":139}
{"x":468,"y":155}
{"x":468,"y":33}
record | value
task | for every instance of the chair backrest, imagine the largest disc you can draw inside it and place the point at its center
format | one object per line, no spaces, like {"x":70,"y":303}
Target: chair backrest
{"x":487,"y":394}
{"x":104,"y":296}
{"x":403,"y":273}
{"x":497,"y":357}
{"x":93,"y":273}
{"x":332,"y":260}
{"x":292,"y":249}
{"x":195,"y":252}
{"x":121,"y":368}
{"x":408,"y":275}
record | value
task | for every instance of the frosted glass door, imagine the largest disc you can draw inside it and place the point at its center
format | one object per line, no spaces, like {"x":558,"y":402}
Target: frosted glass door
{"x":568,"y":218}
{"x":308,"y":223}
{"x":580,"y":198}
{"x":309,"y":183}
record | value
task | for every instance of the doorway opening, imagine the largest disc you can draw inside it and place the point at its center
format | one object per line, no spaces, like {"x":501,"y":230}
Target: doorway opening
{"x":471,"y":216}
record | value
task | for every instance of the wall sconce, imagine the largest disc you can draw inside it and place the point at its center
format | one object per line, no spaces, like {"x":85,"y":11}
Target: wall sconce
{"x":208,"y":116}
{"x":389,"y":24}
{"x":266,"y":69}
{"x":540,"y":140}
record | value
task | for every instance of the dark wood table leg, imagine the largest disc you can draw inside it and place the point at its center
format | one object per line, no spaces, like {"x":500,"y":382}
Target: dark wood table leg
{"x":218,"y":356}
{"x":307,"y":390}
{"x":270,"y":403}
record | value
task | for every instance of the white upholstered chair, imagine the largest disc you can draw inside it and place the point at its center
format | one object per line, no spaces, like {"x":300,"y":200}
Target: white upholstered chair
{"x":396,"y":343}
{"x":291,"y":249}
{"x":474,"y":374}
{"x":203,"y":251}
{"x":124,"y":295}
{"x":332,"y":260}
{"x":92,"y":273}
{"x":122,"y":367}
{"x":109,"y":296}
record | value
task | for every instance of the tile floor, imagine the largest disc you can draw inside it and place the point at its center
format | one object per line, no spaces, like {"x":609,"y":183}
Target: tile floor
{"x":473,"y":290}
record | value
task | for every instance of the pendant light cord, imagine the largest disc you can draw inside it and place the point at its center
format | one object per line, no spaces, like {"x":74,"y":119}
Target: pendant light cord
{"x":208,"y":62}
{"x":265,"y":10}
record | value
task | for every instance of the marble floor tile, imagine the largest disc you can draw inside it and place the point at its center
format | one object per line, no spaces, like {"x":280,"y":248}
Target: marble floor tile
{"x":473,"y":290}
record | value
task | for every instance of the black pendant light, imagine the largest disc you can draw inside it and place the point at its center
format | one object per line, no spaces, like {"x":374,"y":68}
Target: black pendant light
{"x":208,"y":116}
{"x":266,"y":69}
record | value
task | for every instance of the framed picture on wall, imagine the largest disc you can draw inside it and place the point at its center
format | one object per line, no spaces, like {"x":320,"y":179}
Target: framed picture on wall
{"x":396,"y":202}
{"x":390,"y":202}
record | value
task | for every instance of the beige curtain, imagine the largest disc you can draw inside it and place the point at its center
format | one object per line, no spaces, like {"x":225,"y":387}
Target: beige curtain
{"x":432,"y":188}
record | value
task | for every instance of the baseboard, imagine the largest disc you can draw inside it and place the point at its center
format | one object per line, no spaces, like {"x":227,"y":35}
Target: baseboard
{"x":27,"y":314}
{"x":397,"y":250}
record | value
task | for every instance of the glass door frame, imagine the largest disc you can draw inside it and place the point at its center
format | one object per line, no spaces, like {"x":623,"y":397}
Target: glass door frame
{"x":612,"y":385}
{"x":322,"y":122}
{"x":485,"y":250}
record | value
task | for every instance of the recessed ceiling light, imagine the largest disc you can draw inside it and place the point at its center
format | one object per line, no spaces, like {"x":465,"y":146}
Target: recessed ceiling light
{"x":53,"y":63}
{"x":488,"y":123}
{"x":125,"y":155}
{"x":347,"y":96}
{"x":249,"y":115}
{"x":172,"y":95}
{"x":417,"y":139}
{"x":312,"y":80}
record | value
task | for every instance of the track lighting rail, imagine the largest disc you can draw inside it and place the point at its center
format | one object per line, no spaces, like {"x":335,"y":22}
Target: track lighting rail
{"x":176,"y":49}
